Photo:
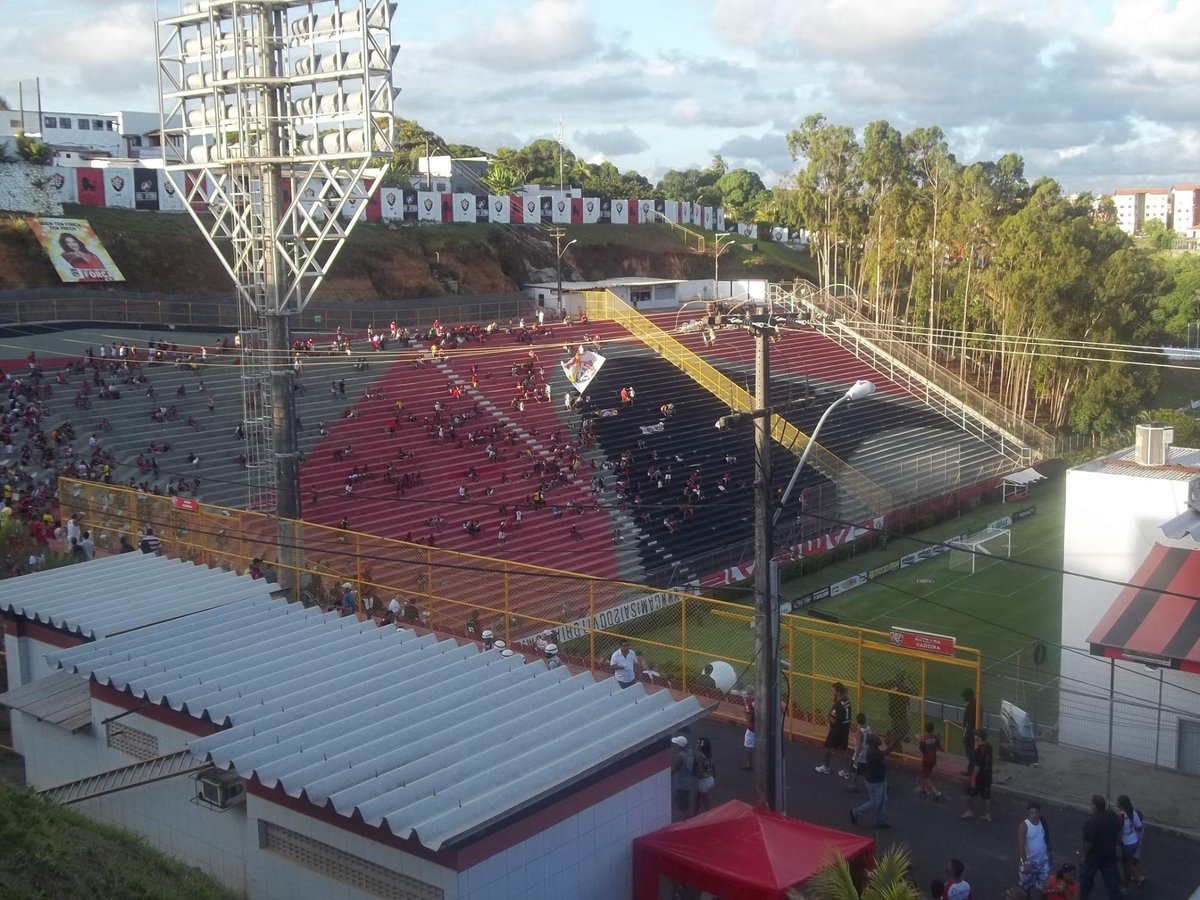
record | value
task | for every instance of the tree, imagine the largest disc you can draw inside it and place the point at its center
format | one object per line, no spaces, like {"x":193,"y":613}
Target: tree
{"x":889,"y":880}
{"x":503,"y":175}
{"x":826,"y":194}
{"x":34,"y":151}
{"x":741,"y":192}
{"x":4,"y":103}
{"x":1157,"y":236}
{"x":540,"y":161}
{"x":1178,"y":303}
{"x":935,"y":168}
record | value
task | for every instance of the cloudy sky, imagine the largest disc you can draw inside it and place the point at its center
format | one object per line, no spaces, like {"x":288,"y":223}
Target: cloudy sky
{"x":1096,"y":93}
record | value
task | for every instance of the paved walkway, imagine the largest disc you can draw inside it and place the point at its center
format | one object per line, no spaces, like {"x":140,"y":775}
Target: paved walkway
{"x":1064,"y":783}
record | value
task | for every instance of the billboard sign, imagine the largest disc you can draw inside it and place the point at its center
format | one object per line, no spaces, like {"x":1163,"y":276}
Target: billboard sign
{"x":76,"y":252}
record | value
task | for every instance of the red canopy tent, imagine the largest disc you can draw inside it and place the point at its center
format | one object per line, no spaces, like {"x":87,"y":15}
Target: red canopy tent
{"x":740,"y":852}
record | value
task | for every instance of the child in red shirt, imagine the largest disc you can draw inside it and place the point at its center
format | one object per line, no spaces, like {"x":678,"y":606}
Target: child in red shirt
{"x":930,"y":745}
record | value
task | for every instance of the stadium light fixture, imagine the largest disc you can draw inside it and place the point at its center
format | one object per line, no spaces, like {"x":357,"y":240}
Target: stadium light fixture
{"x":277,"y":122}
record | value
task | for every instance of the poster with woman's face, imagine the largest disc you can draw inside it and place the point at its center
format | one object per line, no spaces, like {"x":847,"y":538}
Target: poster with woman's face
{"x":73,"y":248}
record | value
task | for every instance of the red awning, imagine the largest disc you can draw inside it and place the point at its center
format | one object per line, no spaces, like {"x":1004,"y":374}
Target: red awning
{"x":1157,"y":618}
{"x":739,"y":852}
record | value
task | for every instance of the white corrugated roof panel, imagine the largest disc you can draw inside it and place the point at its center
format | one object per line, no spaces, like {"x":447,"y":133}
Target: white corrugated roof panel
{"x":113,"y":594}
{"x":428,"y":738}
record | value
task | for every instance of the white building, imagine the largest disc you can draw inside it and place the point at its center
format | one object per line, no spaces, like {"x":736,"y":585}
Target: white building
{"x":330,"y":757}
{"x":1137,"y":206}
{"x":1185,"y":210}
{"x":1129,"y":565}
{"x":78,"y":137}
{"x":449,"y":174}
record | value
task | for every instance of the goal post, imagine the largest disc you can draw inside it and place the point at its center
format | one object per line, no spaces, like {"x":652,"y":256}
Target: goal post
{"x":980,"y":550}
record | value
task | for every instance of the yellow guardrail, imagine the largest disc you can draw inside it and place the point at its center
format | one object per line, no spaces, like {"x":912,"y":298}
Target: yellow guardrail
{"x":607,"y":305}
{"x":677,"y":634}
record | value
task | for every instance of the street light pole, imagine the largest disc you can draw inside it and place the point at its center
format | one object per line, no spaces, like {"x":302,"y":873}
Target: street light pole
{"x":718,"y":248}
{"x":558,"y":256}
{"x":768,"y":746}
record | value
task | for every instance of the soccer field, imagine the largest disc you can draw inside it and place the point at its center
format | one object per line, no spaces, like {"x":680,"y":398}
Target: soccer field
{"x":1004,"y":607}
{"x":1003,"y":610}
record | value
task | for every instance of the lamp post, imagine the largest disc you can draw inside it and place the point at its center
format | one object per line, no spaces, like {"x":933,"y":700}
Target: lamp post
{"x":768,"y":749}
{"x":718,"y":249}
{"x":558,"y":252}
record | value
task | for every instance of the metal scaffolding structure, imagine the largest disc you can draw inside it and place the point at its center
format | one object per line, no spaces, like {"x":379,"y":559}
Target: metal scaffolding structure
{"x":277,"y":122}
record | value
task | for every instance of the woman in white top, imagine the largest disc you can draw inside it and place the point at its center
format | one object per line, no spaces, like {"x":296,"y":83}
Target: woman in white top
{"x":1131,"y":841}
{"x":1033,"y":846}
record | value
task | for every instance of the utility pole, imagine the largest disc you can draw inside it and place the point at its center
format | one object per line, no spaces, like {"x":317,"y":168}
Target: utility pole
{"x":768,"y":747}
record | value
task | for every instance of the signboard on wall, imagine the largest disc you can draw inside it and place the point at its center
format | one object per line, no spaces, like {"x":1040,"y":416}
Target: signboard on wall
{"x":925,"y":641}
{"x":76,"y":252}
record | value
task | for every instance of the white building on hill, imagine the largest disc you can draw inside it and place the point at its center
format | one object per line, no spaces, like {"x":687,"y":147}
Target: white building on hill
{"x":1129,"y":615}
{"x":1137,"y":206}
{"x":292,"y":753}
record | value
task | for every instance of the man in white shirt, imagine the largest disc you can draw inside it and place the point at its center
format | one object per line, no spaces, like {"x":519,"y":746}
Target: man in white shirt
{"x":624,"y":664}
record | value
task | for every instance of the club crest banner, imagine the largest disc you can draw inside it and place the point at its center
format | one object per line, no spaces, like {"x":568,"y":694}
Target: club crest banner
{"x":76,"y":252}
{"x":582,"y":367}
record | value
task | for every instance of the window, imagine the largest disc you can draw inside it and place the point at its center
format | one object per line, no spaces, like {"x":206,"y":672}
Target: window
{"x":359,"y":873}
{"x":14,"y":123}
{"x":131,"y":741}
{"x":135,"y":141}
{"x":50,"y":122}
{"x":85,"y":125}
{"x":98,"y":124}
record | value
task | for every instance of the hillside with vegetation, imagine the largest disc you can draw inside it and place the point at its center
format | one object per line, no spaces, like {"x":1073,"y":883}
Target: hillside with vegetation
{"x":382,"y":262}
{"x":52,"y":852}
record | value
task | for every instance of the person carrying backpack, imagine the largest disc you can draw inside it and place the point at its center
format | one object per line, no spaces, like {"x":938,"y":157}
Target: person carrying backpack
{"x":705,"y":774}
{"x":1132,"y":828}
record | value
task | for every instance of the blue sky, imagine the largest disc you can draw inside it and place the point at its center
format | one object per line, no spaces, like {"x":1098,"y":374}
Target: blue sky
{"x":1096,"y":93}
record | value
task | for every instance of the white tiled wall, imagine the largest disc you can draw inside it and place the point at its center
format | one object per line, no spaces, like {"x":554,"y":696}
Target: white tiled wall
{"x":272,"y":877}
{"x":589,"y":855}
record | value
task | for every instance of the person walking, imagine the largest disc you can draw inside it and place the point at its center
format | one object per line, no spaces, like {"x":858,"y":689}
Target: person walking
{"x":858,"y":762}
{"x":968,"y":723}
{"x":706,"y":776}
{"x":876,"y":778}
{"x":1101,"y":850}
{"x":624,"y":663}
{"x":683,"y":776}
{"x":1033,"y":850}
{"x":748,"y":740}
{"x":1132,"y":827}
{"x":929,"y":746}
{"x":981,"y":778}
{"x":838,"y":737}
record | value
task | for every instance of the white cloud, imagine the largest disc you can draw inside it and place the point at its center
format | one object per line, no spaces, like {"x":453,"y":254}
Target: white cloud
{"x":543,"y":35}
{"x":620,"y":142}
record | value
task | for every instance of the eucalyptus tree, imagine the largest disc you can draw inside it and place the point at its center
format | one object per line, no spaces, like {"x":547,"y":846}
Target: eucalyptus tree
{"x":934,"y":168}
{"x":827,"y":191}
{"x":883,"y":172}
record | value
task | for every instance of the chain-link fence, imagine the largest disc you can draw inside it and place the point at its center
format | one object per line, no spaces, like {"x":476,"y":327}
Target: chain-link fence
{"x":686,"y":642}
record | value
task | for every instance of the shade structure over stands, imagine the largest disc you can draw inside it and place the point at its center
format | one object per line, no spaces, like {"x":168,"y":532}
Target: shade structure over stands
{"x":1156,"y":618}
{"x":740,"y":852}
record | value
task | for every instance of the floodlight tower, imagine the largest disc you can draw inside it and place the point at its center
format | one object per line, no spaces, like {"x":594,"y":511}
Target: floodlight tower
{"x":277,"y":121}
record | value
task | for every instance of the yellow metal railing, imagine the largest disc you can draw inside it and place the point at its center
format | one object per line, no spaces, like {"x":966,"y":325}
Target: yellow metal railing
{"x":676,"y":634}
{"x":607,"y":305}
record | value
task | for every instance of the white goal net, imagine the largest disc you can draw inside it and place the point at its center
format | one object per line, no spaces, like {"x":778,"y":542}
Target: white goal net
{"x":980,"y":550}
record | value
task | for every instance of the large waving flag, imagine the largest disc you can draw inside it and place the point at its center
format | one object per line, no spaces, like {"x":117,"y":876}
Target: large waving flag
{"x":582,"y":367}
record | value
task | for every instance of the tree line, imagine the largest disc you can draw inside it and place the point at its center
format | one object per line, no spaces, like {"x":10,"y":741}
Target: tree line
{"x":740,"y":191}
{"x":1016,"y":285}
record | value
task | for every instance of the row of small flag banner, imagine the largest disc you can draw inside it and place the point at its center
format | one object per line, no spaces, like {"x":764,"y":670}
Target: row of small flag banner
{"x":153,"y":189}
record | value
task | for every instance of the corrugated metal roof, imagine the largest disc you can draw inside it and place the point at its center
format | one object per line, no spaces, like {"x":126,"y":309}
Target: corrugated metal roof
{"x":112,"y":594}
{"x":428,"y":738}
{"x":62,"y":699}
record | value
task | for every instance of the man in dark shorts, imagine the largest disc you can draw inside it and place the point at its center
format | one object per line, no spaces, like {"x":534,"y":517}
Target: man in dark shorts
{"x":838,"y":738}
{"x":981,"y":781}
{"x":1101,"y":850}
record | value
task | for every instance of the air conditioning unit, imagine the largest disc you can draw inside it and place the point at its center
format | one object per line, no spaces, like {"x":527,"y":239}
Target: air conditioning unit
{"x":1152,"y":442}
{"x":218,"y":789}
